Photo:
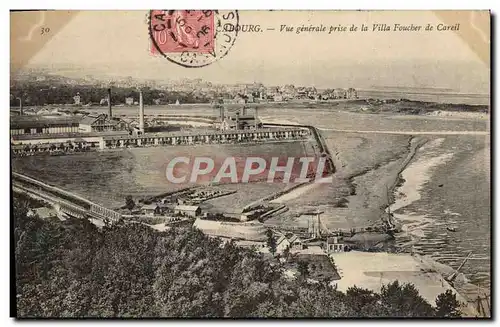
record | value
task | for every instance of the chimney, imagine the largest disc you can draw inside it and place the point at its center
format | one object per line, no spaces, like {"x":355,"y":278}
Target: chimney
{"x":244,"y":111}
{"x":237,"y":121}
{"x":110,"y":111}
{"x":256,"y":118}
{"x":221,"y":113}
{"x":20,"y":106}
{"x":141,"y":113}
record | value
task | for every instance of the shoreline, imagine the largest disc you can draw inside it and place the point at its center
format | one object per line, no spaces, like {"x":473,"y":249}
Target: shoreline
{"x":411,"y":181}
{"x":414,"y":176}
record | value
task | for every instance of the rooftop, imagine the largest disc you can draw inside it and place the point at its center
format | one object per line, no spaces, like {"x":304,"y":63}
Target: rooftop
{"x":186,"y":207}
{"x":21,"y":122}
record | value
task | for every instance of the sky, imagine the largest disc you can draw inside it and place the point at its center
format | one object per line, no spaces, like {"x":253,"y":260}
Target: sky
{"x":116,"y":43}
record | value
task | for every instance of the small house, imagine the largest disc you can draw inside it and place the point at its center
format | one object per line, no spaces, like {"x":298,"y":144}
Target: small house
{"x":129,"y":101}
{"x":281,"y":244}
{"x":335,"y":244}
{"x":186,"y":210}
{"x":77,"y":99}
{"x":151,"y":209}
{"x":42,"y":212}
{"x":295,"y":242}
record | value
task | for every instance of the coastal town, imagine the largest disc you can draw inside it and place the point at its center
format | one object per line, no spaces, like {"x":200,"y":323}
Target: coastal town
{"x":35,"y":88}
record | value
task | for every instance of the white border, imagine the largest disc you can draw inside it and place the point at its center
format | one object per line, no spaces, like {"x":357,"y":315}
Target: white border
{"x":148,"y":4}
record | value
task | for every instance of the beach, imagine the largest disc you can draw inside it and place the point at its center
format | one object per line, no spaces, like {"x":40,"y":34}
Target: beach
{"x":435,"y":196}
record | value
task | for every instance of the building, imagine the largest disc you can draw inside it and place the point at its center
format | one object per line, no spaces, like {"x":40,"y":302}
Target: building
{"x":129,"y":101}
{"x":187,"y":210}
{"x":282,"y":243}
{"x":151,"y":209}
{"x":251,"y":231}
{"x":98,"y":123}
{"x":77,"y":99}
{"x":335,"y":244}
{"x":290,"y":241}
{"x":237,"y":122}
{"x":278,"y":98}
{"x":339,"y":94}
{"x":42,"y":212}
{"x":21,"y":125}
{"x":351,"y":93}
{"x":301,"y":92}
{"x":295,"y":242}
{"x":259,"y":246}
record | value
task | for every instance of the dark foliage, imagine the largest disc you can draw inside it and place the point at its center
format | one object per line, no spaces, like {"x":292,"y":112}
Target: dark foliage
{"x":74,"y":269}
{"x":447,"y":305}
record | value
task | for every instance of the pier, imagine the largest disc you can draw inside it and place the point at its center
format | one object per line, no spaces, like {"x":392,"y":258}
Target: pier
{"x":207,"y":137}
{"x":74,"y":142}
{"x":61,"y":200}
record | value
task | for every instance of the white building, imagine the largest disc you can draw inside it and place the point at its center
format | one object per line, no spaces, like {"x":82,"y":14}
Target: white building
{"x":190,"y":211}
{"x":77,"y":99}
{"x":129,"y":101}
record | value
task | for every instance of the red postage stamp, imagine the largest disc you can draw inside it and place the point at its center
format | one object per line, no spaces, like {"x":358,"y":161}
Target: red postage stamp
{"x":175,"y":31}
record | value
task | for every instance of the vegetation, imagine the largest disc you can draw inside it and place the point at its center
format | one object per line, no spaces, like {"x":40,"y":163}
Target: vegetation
{"x":447,"y":305}
{"x":271,"y":242}
{"x":129,"y":202}
{"x":74,"y":269}
{"x":42,"y":93}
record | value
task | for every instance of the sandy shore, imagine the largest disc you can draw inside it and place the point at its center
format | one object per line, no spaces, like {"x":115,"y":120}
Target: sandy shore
{"x":415,"y":176}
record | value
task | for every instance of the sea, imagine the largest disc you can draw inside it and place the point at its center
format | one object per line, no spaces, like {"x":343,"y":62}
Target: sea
{"x":450,"y":188}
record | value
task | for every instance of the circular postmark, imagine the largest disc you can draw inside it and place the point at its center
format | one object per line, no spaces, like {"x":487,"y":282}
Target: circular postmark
{"x":193,"y":38}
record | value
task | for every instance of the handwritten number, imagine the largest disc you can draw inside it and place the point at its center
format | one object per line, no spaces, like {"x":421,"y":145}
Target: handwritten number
{"x":44,"y":30}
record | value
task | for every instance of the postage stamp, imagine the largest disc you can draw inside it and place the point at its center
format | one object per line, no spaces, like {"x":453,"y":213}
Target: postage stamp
{"x":192,"y":38}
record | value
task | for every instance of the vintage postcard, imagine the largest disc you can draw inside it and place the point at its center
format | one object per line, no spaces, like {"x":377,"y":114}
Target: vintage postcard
{"x":230,"y":163}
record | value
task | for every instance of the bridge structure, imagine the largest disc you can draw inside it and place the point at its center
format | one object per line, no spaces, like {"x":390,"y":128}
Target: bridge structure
{"x":63,"y":201}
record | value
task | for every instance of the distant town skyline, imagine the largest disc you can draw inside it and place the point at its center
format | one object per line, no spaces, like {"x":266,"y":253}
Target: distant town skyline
{"x":440,"y":60}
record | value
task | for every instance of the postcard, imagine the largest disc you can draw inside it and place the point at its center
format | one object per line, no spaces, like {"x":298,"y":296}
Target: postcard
{"x":242,"y":164}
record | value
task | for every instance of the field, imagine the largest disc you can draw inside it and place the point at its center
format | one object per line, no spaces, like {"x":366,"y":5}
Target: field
{"x":107,"y":177}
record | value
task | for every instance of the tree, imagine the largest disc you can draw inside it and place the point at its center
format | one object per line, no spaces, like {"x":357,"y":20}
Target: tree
{"x":404,"y":301}
{"x":129,"y":202}
{"x":303,"y":268}
{"x":74,"y":269}
{"x":271,"y":242}
{"x":363,"y":302}
{"x":286,"y":252}
{"x":447,"y":305}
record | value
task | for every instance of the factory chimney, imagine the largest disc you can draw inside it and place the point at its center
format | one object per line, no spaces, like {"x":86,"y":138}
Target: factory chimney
{"x":141,"y":113}
{"x":256,"y":117}
{"x":20,"y":106}
{"x":237,"y":121}
{"x":110,"y":111}
{"x":221,"y":113}
{"x":244,"y":111}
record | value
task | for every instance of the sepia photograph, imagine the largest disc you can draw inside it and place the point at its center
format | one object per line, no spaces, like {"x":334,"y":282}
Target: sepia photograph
{"x":250,"y":164}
